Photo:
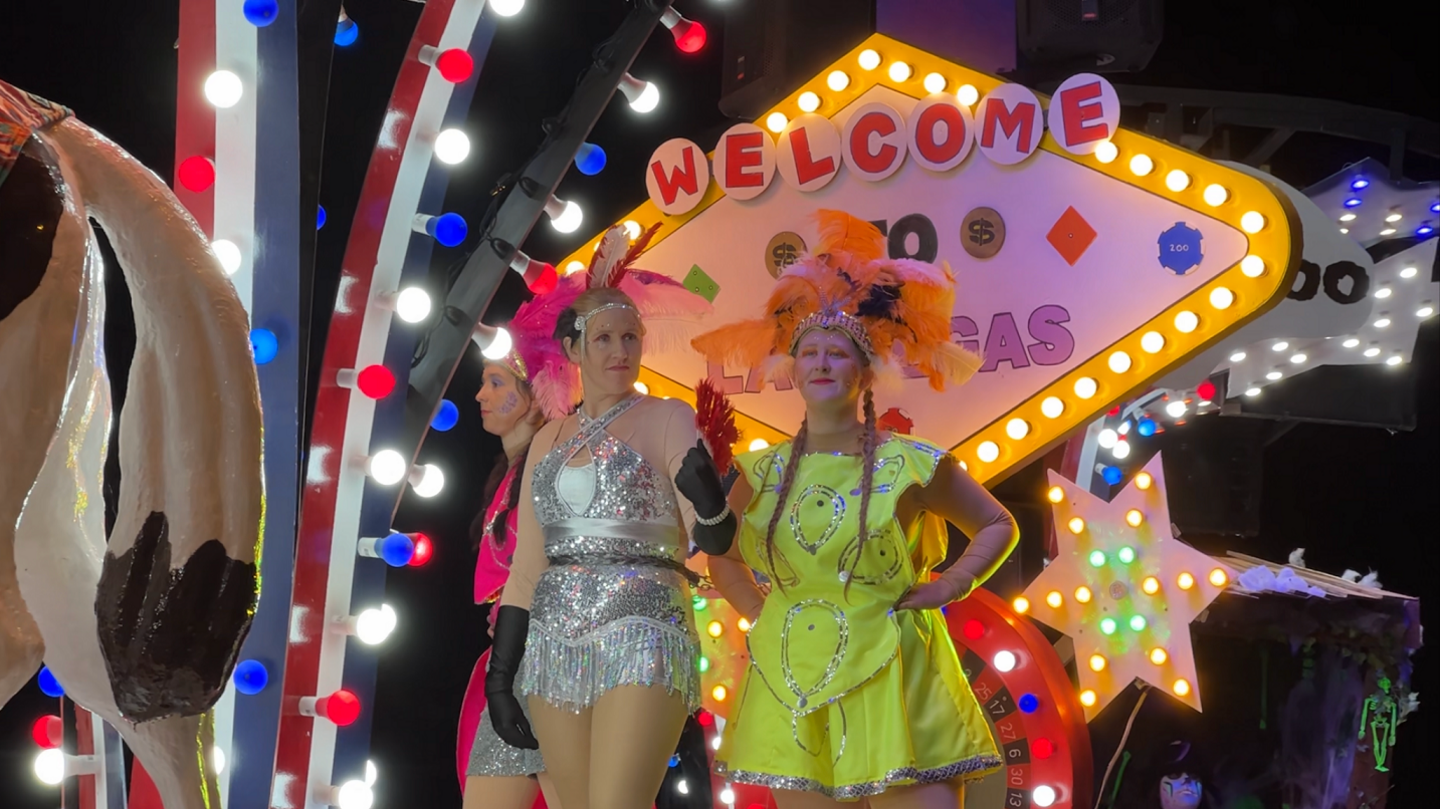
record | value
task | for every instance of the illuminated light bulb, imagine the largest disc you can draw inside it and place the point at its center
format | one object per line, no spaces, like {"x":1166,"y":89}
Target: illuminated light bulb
{"x":387,"y":467}
{"x":195,"y":173}
{"x":642,"y":388}
{"x":452,"y":147}
{"x":1175,"y":409}
{"x":1097,"y":662}
{"x":228,"y":253}
{"x":776,"y":122}
{"x":1252,"y":392}
{"x":1181,"y":688}
{"x":1425,"y":311}
{"x":1237,"y":356}
{"x":1083,"y":594}
{"x":1221,"y":297}
{"x":1108,"y":626}
{"x":689,"y":35}
{"x":837,"y":80}
{"x":1151,"y":342}
{"x":1054,"y":599}
{"x":743,"y":624}
{"x":1372,"y":352}
{"x":1052,"y":407}
{"x":1043,"y":796}
{"x":1076,"y":525}
{"x":967,"y":95}
{"x":682,"y":786}
{"x":1252,"y":266}
{"x":1087,"y":698}
{"x":1393,"y":218}
{"x":342,"y":708}
{"x":1085,"y":387}
{"x":574,"y":267}
{"x":1150,"y":585}
{"x":453,"y":65}
{"x":1349,"y":217}
{"x":507,"y":8}
{"x":704,"y":664}
{"x":50,"y":766}
{"x":1107,"y":438}
{"x":1274,"y":376}
{"x":632,"y":229}
{"x":808,"y":102}
{"x":217,"y":758}
{"x":427,"y":480}
{"x":719,"y":692}
{"x":1177,"y":180}
{"x":727,"y":795}
{"x":1106,"y":152}
{"x":1121,"y":450}
{"x":1394,"y":360}
{"x":1097,"y":558}
{"x":1216,"y":195}
{"x":1004,"y":661}
{"x":1119,"y":362}
{"x":1298,"y":358}
{"x":1126,"y":554}
{"x":759,"y":444}
{"x":1141,"y":165}
{"x":494,"y":341}
{"x":1185,"y":581}
{"x":354,"y":795}
{"x":934,"y":83}
{"x":988,"y":451}
{"x":1021,"y":604}
{"x":1344,"y":230}
{"x":412,"y":304}
{"x":715,"y":629}
{"x":643,"y":96}
{"x":1350,"y":343}
{"x":373,"y":626}
{"x":539,"y":276}
{"x":565,"y":215}
{"x":1219,"y":578}
{"x":1056,"y":494}
{"x":1158,"y":656}
{"x":1388,"y":232}
{"x":1383,"y":292}
{"x":371,"y":773}
{"x":48,"y":732}
{"x":223,"y":89}
{"x":589,"y":159}
{"x":869,"y":59}
{"x":1383,"y":322}
{"x":1409,"y":272}
{"x":1252,"y":222}
{"x":1017,"y":428}
{"x":1138,"y":623}
{"x":1144,"y":480}
{"x":1280,"y":346}
{"x":449,"y":229}
{"x":1186,"y":321}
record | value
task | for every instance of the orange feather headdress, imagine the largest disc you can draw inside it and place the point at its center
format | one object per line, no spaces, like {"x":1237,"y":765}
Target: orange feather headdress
{"x":888,"y":307}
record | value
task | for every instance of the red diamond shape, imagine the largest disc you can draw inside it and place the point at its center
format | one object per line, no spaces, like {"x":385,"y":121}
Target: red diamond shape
{"x":1071,"y":236}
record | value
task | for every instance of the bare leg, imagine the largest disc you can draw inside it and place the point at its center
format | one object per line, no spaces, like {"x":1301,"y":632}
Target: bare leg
{"x":565,"y":742}
{"x":486,"y":792}
{"x":634,"y":733}
{"x":949,"y":795}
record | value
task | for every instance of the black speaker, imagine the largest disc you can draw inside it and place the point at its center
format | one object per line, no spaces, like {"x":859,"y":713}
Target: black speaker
{"x":1103,"y":36}
{"x":771,"y":46}
{"x":1213,"y":470}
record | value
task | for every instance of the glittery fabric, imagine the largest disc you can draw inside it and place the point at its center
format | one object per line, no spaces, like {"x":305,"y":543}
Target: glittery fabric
{"x":21,"y":114}
{"x":492,"y":757}
{"x":972,"y":768}
{"x":596,"y":626}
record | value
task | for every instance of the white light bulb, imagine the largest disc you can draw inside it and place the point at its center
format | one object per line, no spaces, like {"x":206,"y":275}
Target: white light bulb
{"x":1409,"y":272}
{"x":1177,"y":180}
{"x":968,"y":95}
{"x":1017,"y":428}
{"x":1121,"y":450}
{"x":1274,"y":376}
{"x":1395,"y":360}
{"x":1280,"y":346}
{"x":899,"y":71}
{"x":1425,"y":311}
{"x":373,"y":626}
{"x":642,"y":388}
{"x":1372,"y":352}
{"x":632,"y":229}
{"x":837,"y":80}
{"x":776,"y":121}
{"x":1238,"y":356}
{"x":1042,"y":796}
{"x":507,"y":8}
{"x":1052,"y":407}
{"x":1004,"y":661}
{"x":1085,"y":387}
{"x":229,"y":254}
{"x":574,"y":267}
{"x":1124,"y":428}
{"x":355,"y":795}
{"x":387,"y":467}
{"x":371,"y":774}
{"x":1107,"y":438}
{"x":1186,"y":322}
{"x":808,"y":101}
{"x":1298,"y":358}
{"x":1119,"y":362}
{"x":432,"y":481}
{"x":759,"y":444}
{"x":412,"y":304}
{"x":1393,"y":218}
{"x":1349,"y":217}
{"x":1216,"y":195}
{"x":1175,"y":409}
{"x":1152,"y":341}
{"x":869,"y":59}
{"x":570,"y":218}
{"x":452,"y":146}
{"x":499,"y":346}
{"x":217,"y":758}
{"x":1106,"y":152}
{"x":1252,"y":222}
{"x":727,"y":795}
{"x":715,"y":742}
{"x":1221,"y":297}
{"x":1383,"y":292}
{"x":648,"y":99}
{"x":50,"y":766}
{"x":1141,"y":165}
{"x":988,"y":451}
{"x":1382,"y":323}
{"x":1253,"y":266}
{"x":1252,"y":392}
{"x":1351,"y":343}
{"x":682,"y":786}
{"x":223,"y":89}
{"x":934,"y":83}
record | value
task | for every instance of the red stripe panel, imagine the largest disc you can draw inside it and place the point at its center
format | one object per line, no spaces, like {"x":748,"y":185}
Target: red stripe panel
{"x":194,"y":117}
{"x":312,"y":558}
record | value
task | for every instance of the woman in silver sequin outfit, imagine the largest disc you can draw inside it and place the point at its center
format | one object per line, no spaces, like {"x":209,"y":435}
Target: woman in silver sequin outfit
{"x":598,"y":587}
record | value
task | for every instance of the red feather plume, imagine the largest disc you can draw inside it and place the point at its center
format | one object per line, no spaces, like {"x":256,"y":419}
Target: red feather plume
{"x":715,"y":420}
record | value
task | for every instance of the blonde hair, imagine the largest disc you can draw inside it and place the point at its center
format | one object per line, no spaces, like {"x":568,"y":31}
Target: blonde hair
{"x":568,"y":324}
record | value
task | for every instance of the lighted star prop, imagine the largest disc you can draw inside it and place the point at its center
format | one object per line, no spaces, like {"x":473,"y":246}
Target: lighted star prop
{"x":1124,"y":589}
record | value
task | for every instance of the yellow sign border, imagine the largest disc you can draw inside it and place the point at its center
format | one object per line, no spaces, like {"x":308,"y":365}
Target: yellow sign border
{"x":995,"y":451}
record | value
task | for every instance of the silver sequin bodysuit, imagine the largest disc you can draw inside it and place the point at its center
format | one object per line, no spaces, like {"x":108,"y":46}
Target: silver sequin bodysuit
{"x":598,"y":621}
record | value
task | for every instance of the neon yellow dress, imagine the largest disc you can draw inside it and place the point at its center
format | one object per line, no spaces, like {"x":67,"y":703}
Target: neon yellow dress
{"x":845,"y":696}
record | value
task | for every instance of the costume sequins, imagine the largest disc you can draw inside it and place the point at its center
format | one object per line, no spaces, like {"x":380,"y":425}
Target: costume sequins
{"x":490,"y":756}
{"x":970,"y":769}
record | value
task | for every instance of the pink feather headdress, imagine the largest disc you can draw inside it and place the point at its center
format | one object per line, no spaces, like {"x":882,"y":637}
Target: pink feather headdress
{"x":537,"y":357}
{"x":670,"y":313}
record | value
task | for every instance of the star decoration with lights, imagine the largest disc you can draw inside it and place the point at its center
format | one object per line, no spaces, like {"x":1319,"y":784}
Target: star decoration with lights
{"x":1124,"y":589}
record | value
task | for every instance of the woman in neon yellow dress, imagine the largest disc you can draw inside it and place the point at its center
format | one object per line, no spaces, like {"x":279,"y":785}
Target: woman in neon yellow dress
{"x":854,"y":689}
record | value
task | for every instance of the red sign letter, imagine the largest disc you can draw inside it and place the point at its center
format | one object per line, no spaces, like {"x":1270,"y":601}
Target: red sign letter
{"x":681,"y":179}
{"x":742,"y":151}
{"x":1079,"y":106}
{"x":1020,"y":119}
{"x":872,"y":123}
{"x":806,"y":167}
{"x":925,"y":127}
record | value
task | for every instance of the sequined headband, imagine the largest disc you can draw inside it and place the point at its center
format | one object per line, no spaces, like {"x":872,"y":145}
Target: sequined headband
{"x":835,"y":319}
{"x":583,"y":320}
{"x":513,"y":361}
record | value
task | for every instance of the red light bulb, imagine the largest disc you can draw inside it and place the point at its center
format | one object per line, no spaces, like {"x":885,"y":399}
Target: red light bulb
{"x":196,"y":173}
{"x":1206,"y":391}
{"x":541,"y":278}
{"x":1042,"y":748}
{"x":48,"y":732}
{"x":455,"y":65}
{"x":424,"y":549}
{"x":375,"y":381}
{"x":689,"y":35}
{"x":341,"y":707}
{"x":705,"y":718}
{"x":973,"y":629}
{"x":1114,"y":411}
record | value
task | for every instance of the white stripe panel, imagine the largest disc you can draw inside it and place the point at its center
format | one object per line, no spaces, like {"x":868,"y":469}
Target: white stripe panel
{"x":102,"y":780}
{"x":374,"y":333}
{"x":235,"y":144}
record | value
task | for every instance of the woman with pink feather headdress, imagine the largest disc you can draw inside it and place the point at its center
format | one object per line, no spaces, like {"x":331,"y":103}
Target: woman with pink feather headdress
{"x":595,"y":630}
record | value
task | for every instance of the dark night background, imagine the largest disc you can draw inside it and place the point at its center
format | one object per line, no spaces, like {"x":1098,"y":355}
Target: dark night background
{"x":1355,"y":497}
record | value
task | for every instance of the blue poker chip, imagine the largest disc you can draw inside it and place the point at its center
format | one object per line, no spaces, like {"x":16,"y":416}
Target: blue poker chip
{"x":1180,"y":248}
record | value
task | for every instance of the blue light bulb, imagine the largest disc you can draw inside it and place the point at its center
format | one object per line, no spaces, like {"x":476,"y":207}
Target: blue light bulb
{"x":1359,"y":183}
{"x":320,"y":217}
{"x":1112,"y":475}
{"x":675,"y":760}
{"x":446,"y":417}
{"x":49,"y":686}
{"x":346,"y":32}
{"x":448,"y":229}
{"x":1146,"y":427}
{"x":264,"y":345}
{"x":1029,"y":703}
{"x":250,"y":677}
{"x":1424,"y":230}
{"x":260,"y":13}
{"x":1353,"y":202}
{"x":590,"y":159}
{"x":396,"y":549}
{"x":1435,"y":207}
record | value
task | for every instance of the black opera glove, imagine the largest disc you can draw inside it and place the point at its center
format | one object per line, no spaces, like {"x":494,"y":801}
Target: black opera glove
{"x":699,"y":481}
{"x":512,"y":626}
